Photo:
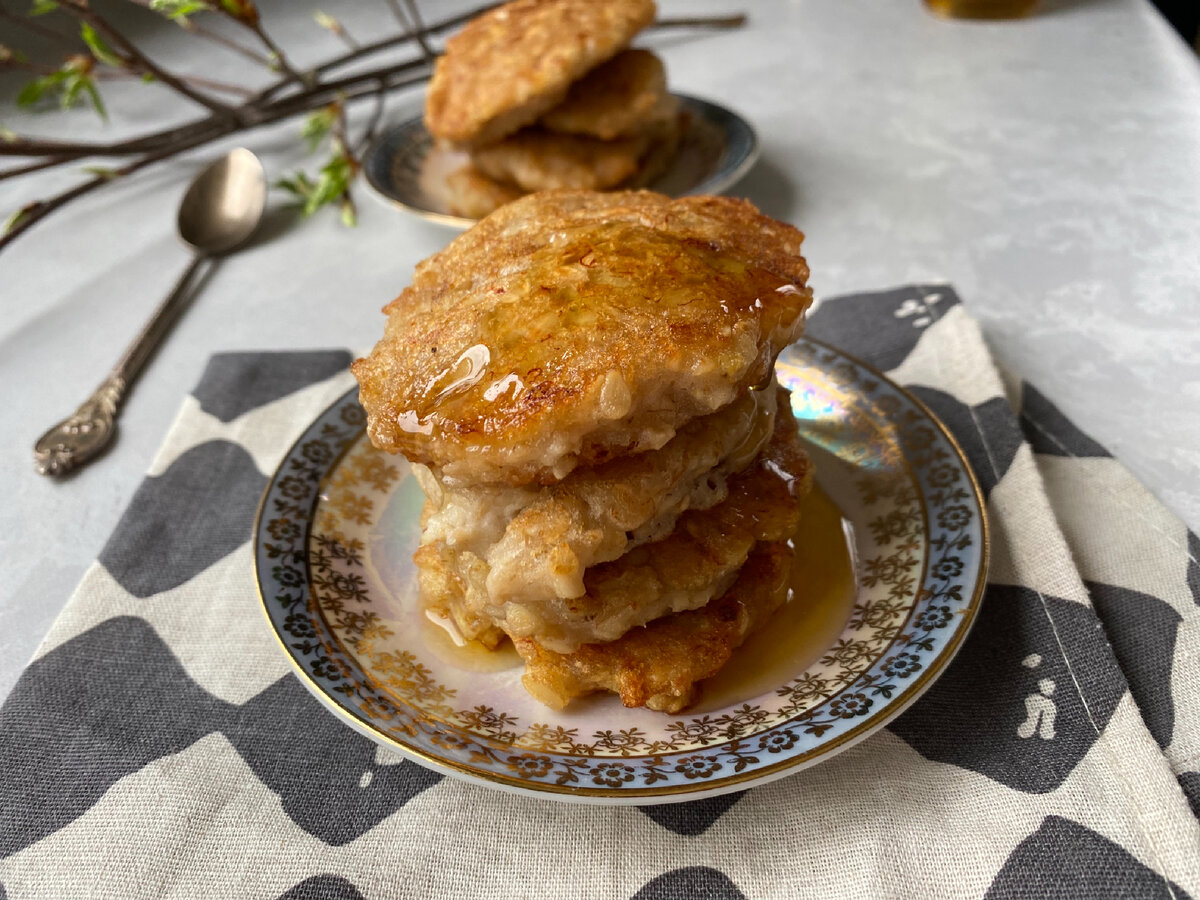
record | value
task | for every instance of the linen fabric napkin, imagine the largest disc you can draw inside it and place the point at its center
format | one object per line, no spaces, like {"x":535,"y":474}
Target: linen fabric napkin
{"x":158,"y":745}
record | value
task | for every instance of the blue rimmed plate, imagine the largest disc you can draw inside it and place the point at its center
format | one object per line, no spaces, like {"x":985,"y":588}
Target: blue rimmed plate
{"x":896,"y":503}
{"x":404,"y":166}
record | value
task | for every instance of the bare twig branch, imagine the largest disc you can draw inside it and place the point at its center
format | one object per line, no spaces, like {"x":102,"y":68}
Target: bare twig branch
{"x":418,"y":29}
{"x":138,"y":60}
{"x":341,"y":146}
{"x":31,"y":147}
{"x":227,"y":42}
{"x":213,"y":85}
{"x":368,"y":135}
{"x":276,"y":51}
{"x":192,"y":27}
{"x":37,"y":166}
{"x":338,"y":128}
{"x":208,"y":83}
{"x":248,"y":18}
{"x":411,"y":24}
{"x":330,"y":89}
{"x":24,"y":65}
{"x":284,"y":109}
{"x":38,"y":28}
{"x":399,"y":40}
{"x":735,"y":21}
{"x":249,"y":114}
{"x":106,"y":74}
{"x":377,"y":47}
{"x":352,"y":88}
{"x":398,"y":14}
{"x":181,"y":138}
{"x":336,"y":28}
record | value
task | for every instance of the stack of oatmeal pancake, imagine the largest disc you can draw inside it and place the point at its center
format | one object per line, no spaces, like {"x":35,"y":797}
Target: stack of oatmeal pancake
{"x":584,"y":384}
{"x":547,"y":94}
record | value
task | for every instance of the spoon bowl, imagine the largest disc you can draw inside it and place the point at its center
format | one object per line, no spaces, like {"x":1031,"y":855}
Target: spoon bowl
{"x":224,"y":204}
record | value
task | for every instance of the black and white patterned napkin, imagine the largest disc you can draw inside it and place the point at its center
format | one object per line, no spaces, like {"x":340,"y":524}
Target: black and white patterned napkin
{"x":158,"y":746}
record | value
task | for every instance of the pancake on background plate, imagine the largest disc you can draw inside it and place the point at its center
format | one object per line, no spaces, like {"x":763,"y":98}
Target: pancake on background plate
{"x":545,"y":94}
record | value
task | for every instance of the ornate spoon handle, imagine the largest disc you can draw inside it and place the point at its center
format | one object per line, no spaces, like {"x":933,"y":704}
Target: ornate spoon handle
{"x":82,"y":435}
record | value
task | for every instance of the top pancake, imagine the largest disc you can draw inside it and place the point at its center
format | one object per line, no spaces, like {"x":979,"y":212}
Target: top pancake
{"x":570,"y":327}
{"x":510,"y":65}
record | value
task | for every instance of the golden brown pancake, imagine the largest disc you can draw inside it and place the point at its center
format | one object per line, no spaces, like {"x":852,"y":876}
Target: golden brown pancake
{"x":697,"y":561}
{"x":570,"y":328}
{"x":510,"y":65}
{"x":473,"y":195}
{"x":535,"y":159}
{"x":617,"y":98}
{"x":660,"y":665}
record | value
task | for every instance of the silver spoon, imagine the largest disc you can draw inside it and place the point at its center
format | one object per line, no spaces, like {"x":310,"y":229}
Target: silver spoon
{"x":220,"y":210}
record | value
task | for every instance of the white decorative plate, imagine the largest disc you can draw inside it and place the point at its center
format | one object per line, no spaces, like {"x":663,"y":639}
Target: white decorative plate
{"x":896,"y":504}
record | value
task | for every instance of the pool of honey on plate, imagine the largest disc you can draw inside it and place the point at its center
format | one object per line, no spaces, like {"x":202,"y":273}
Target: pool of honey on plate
{"x":823,"y":590}
{"x":441,"y":637}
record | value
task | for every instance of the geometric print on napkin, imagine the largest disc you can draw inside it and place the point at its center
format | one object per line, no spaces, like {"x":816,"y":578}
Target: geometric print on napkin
{"x":1048,"y":662}
{"x":1140,"y":564}
{"x":159,"y":746}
